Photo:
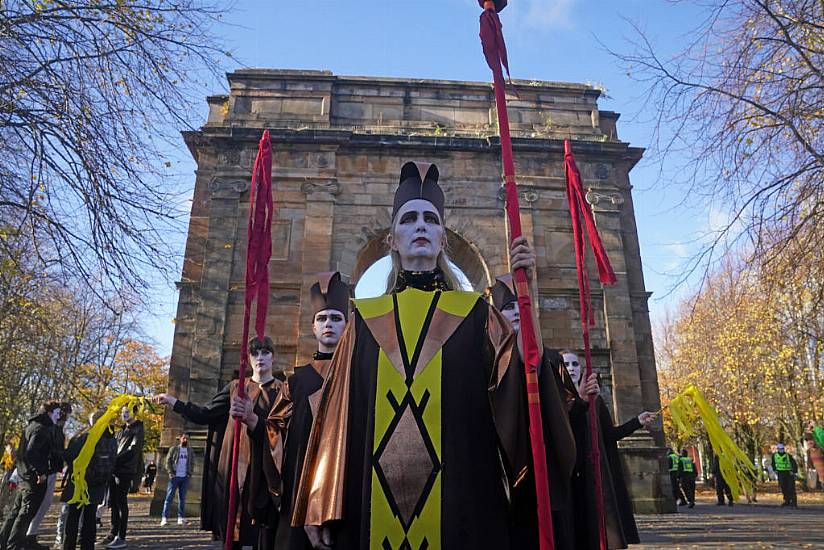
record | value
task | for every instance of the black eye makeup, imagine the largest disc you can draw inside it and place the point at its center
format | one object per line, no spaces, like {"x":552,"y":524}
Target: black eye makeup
{"x":409,"y":217}
{"x":431,"y":217}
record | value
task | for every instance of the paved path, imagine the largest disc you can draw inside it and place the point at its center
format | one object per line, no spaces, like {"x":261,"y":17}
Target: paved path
{"x":765,"y":525}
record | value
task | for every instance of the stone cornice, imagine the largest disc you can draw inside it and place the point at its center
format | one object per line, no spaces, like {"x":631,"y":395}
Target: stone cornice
{"x":221,"y":136}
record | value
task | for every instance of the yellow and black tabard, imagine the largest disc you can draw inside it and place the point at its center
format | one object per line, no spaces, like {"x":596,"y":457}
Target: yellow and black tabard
{"x":406,"y":451}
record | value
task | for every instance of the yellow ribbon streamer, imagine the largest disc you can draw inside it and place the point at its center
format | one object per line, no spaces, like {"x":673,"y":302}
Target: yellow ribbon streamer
{"x":137,"y":407}
{"x":736,"y":468}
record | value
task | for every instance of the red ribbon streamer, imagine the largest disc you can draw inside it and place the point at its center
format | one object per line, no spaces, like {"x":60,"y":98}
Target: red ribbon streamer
{"x":258,"y":253}
{"x":494,"y":48}
{"x":578,"y":207}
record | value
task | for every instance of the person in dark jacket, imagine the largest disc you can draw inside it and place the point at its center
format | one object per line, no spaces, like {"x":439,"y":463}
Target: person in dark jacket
{"x":619,"y":520}
{"x":56,"y":462}
{"x":33,"y":466}
{"x":98,"y":472}
{"x":127,"y":466}
{"x":722,"y":488}
{"x":149,"y":476}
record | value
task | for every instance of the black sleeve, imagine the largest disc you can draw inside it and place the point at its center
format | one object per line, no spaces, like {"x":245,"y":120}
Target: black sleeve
{"x":38,"y":448}
{"x":75,"y":445}
{"x":214,"y":412}
{"x":612,"y":432}
{"x":259,"y":433}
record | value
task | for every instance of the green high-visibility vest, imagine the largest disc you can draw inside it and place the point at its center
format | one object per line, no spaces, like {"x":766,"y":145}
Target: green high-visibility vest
{"x":674,"y":462}
{"x":689,"y":465}
{"x":782,"y":462}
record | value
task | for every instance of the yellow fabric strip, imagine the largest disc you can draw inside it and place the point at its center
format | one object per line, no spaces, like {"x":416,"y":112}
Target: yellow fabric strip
{"x":736,"y":468}
{"x":81,"y":463}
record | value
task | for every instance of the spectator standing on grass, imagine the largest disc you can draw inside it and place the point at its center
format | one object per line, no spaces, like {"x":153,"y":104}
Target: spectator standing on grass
{"x":179,"y":466}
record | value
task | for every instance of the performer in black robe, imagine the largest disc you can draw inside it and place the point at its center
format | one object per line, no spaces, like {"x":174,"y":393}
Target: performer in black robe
{"x":292,"y":413}
{"x":558,"y":439}
{"x":259,"y":480}
{"x":412,"y":441}
{"x":619,"y":520}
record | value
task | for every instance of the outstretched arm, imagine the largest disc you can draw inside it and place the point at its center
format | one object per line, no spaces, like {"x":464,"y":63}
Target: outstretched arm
{"x":215,"y":411}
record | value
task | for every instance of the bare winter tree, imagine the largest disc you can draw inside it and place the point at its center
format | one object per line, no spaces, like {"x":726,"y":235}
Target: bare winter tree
{"x":744,"y":103}
{"x":90,"y":92}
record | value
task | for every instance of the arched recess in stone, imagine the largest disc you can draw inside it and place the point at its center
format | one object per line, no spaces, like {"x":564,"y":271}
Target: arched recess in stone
{"x":462,"y":252}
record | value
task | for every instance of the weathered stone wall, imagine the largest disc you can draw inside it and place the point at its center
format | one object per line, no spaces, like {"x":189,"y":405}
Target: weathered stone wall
{"x":338,"y":144}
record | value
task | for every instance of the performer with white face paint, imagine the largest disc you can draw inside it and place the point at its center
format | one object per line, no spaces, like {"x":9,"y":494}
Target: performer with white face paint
{"x":416,"y":437}
{"x":558,"y":438}
{"x":620,"y":522}
{"x":293,"y":411}
{"x":259,"y":482}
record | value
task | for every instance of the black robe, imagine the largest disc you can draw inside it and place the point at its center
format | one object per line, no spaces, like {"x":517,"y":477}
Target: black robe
{"x":561,"y":459}
{"x":258,"y":502}
{"x":407,"y":429}
{"x":619,"y":519}
{"x":302,"y":386}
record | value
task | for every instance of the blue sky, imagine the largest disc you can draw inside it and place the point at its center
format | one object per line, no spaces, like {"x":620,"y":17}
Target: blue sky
{"x":557,"y":40}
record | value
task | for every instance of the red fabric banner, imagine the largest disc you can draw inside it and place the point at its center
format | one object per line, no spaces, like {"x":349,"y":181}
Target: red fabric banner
{"x":494,"y":48}
{"x":258,"y":253}
{"x":578,"y":208}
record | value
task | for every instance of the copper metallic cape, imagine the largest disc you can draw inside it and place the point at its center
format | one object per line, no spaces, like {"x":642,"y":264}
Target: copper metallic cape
{"x":462,"y":336}
{"x":288,"y":428}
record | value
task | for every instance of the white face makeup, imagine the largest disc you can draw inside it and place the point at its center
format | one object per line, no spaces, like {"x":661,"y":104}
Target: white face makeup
{"x":328,"y":326}
{"x":513,"y":315}
{"x":125,"y":415}
{"x":573,"y":367}
{"x":261,"y":361}
{"x":417,"y":235}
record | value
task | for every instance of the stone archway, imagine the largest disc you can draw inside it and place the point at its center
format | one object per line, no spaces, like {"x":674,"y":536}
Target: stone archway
{"x":461,"y":251}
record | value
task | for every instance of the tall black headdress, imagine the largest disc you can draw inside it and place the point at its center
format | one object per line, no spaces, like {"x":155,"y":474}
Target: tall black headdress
{"x":503,"y":291}
{"x":418,"y":181}
{"x":330,"y":292}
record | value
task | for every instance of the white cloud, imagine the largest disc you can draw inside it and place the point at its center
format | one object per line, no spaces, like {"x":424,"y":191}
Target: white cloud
{"x":545,"y":14}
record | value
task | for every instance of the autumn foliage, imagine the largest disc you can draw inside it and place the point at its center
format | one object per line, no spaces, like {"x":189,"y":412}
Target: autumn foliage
{"x":751,"y":340}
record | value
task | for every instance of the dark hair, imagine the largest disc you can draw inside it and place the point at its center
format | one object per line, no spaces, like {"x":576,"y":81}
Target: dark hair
{"x":66,"y":407}
{"x":184,"y":434}
{"x":256,"y":344}
{"x":49,"y":406}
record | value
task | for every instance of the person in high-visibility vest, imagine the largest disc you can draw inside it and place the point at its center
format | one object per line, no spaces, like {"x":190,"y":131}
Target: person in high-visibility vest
{"x":673,"y":461}
{"x":686,"y":469}
{"x":785,"y":466}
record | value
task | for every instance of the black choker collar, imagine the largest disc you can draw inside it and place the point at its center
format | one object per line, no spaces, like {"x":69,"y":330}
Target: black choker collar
{"x":422,"y":280}
{"x":322,"y":356}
